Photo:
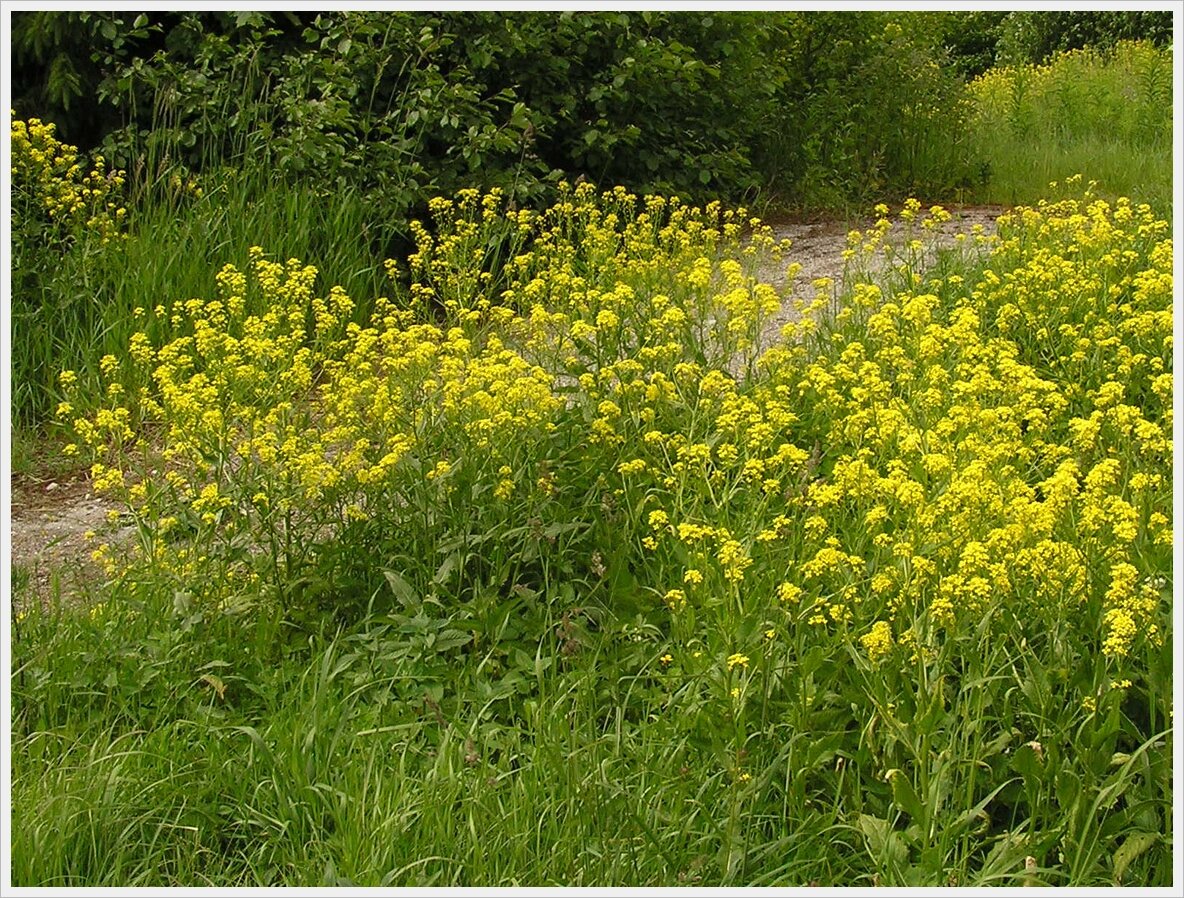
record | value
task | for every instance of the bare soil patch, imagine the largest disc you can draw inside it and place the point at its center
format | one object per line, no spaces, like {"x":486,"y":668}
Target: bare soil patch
{"x":818,"y":245}
{"x":50,"y":520}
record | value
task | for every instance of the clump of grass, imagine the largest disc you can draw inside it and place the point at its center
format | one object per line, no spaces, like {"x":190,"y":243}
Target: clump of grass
{"x":80,"y":276}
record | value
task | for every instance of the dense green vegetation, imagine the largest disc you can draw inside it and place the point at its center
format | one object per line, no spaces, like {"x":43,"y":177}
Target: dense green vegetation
{"x":415,"y":105}
{"x":887,"y":602}
{"x":1100,"y":112}
{"x":472,"y":525}
{"x":332,"y":131}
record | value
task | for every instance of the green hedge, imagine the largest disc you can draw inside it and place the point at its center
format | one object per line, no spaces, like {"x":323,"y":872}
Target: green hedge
{"x":817,"y":107}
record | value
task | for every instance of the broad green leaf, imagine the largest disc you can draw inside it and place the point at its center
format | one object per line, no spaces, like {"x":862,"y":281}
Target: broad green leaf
{"x":883,"y":841}
{"x":1132,"y":846}
{"x":403,"y":590}
{"x":1027,"y":763}
{"x":905,"y":796}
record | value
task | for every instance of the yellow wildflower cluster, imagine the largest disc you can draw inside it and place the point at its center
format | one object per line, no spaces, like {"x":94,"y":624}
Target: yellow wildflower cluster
{"x":1127,"y":88}
{"x":51,"y":179}
{"x":956,"y":451}
{"x":878,"y":641}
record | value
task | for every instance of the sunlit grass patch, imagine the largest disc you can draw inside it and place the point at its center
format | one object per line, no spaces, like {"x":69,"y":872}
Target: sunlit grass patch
{"x":1103,"y":112}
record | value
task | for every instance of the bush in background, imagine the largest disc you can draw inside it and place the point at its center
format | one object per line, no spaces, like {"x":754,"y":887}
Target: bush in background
{"x":981,"y":39}
{"x":1106,"y":112}
{"x":411,"y":105}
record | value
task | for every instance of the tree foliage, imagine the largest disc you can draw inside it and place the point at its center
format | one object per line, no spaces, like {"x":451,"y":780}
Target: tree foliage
{"x":410,"y":105}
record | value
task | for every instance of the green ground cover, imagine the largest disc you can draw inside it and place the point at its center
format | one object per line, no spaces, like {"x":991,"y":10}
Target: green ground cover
{"x":533,"y":556}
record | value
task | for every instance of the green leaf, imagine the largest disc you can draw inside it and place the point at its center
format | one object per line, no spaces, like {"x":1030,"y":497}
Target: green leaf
{"x":182,"y":602}
{"x":1133,"y":846}
{"x":552,"y":531}
{"x":449,"y":566}
{"x":1068,"y":788}
{"x":905,"y":796}
{"x":450,"y":639}
{"x":976,"y":817}
{"x":403,"y":590}
{"x":332,"y":879}
{"x":1027,"y":763}
{"x":883,"y":841}
{"x":258,"y":742}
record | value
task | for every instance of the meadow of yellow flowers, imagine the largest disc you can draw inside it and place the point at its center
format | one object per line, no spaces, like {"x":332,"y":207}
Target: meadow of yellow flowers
{"x":54,"y":185}
{"x":930,"y":457}
{"x":958,"y":477}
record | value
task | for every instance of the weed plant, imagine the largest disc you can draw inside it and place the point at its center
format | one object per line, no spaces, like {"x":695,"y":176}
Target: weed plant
{"x":553,"y":571}
{"x":224,"y":131}
{"x":85,"y":268}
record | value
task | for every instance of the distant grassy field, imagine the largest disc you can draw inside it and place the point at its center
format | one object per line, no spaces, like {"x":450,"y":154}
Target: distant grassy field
{"x":1107,"y":115}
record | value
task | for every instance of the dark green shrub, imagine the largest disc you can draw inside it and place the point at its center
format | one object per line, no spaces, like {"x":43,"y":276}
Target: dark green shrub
{"x":866,"y":109}
{"x":1036,"y":36}
{"x":412,"y":105}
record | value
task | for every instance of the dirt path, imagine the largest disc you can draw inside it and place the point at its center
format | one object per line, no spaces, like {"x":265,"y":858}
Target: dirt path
{"x":50,"y":519}
{"x":818,"y":247}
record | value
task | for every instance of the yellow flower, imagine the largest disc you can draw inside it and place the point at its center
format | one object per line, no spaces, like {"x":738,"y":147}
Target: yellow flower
{"x":878,"y":641}
{"x":788,"y":592}
{"x":675,"y":599}
{"x":636,"y":466}
{"x":441,"y":469}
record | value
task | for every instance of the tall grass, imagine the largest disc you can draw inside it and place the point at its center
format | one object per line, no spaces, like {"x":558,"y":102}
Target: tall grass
{"x":304,"y":770}
{"x":1108,"y":113}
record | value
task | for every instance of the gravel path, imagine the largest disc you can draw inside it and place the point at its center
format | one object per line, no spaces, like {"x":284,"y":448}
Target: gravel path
{"x":49,"y":524}
{"x":818,"y":247}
